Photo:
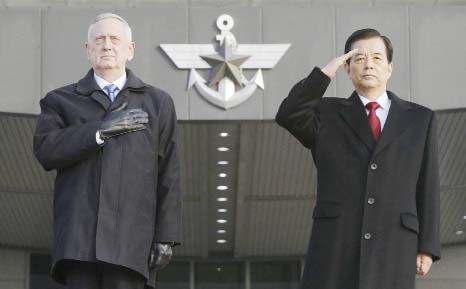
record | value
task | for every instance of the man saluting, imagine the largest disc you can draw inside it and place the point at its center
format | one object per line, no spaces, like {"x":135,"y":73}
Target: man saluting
{"x":376,"y":219}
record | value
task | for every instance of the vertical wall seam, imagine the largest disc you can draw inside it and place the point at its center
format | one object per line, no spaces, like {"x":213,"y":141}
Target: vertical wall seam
{"x":188,"y":40}
{"x":261,"y":27}
{"x":41,"y":51}
{"x":410,"y":80}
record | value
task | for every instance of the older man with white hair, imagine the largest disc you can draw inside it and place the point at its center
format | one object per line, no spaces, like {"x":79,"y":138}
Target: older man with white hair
{"x":112,"y":140}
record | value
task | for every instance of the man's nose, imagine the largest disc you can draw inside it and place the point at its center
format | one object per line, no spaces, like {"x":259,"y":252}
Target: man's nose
{"x":369,"y":63}
{"x":107,"y":44}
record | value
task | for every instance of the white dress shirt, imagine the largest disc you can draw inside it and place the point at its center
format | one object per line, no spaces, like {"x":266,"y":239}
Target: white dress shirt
{"x":382,"y":111}
{"x":120,"y":83}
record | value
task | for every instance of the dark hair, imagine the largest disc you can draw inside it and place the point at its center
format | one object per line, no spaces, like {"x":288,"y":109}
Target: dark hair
{"x":366,"y":34}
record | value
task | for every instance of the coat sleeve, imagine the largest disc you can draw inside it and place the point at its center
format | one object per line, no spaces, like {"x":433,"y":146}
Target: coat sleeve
{"x":169,"y":195}
{"x":427,"y":196}
{"x":56,"y":145}
{"x":299,"y":112}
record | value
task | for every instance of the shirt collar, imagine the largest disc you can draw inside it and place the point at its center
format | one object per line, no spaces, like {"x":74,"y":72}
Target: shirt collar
{"x":382,"y":100}
{"x":120,"y":82}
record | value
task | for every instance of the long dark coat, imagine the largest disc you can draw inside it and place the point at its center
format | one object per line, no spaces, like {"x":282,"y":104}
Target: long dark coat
{"x":111,"y":202}
{"x":377,"y":203}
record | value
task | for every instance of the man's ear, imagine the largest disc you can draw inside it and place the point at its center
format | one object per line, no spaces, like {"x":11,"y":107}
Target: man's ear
{"x":86,"y":46}
{"x":390,"y":69}
{"x":132,"y":46}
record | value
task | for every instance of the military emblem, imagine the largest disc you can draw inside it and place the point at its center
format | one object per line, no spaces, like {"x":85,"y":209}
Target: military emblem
{"x":226,"y":86}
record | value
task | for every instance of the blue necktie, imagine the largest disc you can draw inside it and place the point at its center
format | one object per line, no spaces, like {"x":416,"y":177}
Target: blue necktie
{"x":111,"y":90}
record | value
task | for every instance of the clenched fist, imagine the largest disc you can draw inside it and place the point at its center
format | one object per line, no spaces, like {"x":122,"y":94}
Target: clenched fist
{"x":424,"y":261}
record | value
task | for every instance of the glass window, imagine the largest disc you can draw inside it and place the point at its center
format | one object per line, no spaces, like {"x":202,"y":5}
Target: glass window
{"x":225,"y":275}
{"x":275,"y":275}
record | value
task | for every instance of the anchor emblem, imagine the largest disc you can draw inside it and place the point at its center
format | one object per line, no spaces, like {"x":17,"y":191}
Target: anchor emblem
{"x":226,"y":65}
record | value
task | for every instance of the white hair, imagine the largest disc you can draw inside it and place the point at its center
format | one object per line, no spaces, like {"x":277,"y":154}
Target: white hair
{"x":103,"y":16}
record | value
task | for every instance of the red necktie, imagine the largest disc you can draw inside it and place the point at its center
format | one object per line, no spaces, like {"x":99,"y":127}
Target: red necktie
{"x":374,"y":121}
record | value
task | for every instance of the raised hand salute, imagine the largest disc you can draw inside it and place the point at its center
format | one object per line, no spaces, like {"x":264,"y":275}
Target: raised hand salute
{"x":331,"y":68}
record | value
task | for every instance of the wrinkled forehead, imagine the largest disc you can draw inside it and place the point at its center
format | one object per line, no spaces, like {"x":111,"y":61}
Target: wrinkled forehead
{"x":374,"y":45}
{"x":108,"y":26}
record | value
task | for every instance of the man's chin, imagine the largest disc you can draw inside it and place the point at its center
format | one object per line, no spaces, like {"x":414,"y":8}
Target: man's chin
{"x":105,"y":66}
{"x":369,"y":83}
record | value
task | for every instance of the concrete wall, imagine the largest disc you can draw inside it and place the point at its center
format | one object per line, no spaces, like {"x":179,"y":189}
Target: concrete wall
{"x":14,"y":269}
{"x":41,"y":46}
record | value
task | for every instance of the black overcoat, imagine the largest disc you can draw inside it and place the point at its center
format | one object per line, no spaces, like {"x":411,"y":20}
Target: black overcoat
{"x":112,"y":201}
{"x":377,"y":204}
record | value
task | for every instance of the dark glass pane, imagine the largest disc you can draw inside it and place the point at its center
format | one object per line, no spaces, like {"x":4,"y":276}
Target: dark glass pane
{"x":40,"y":268}
{"x":275,"y":275}
{"x":174,"y":276}
{"x":219,"y":275}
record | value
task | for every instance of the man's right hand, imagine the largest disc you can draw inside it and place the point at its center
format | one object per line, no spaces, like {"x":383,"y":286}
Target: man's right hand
{"x":331,"y":69}
{"x":121,"y":120}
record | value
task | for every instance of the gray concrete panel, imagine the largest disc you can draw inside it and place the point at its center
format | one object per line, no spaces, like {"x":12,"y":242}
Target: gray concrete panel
{"x":158,"y":3}
{"x":376,"y":2}
{"x":437,"y":56}
{"x":150,"y":63}
{"x":64,"y":55}
{"x":388,"y":20}
{"x":218,"y":3}
{"x":33,"y":3}
{"x":280,"y":2}
{"x":459,"y":2}
{"x":97,"y":3}
{"x":342,"y":2}
{"x":310,"y":30}
{"x":247,"y":30}
{"x":12,"y":284}
{"x":20,"y":46}
{"x":12,"y":265}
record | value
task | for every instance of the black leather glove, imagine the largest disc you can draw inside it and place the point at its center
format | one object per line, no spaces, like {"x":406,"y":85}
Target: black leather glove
{"x":121,"y":120}
{"x":160,"y":256}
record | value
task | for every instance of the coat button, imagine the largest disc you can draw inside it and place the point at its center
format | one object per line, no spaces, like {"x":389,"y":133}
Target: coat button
{"x":367,"y":236}
{"x":373,"y":167}
{"x":371,"y":201}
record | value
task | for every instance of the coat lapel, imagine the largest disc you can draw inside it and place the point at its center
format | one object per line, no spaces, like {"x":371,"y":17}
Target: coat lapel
{"x":398,"y":120}
{"x":133,"y":83}
{"x":353,"y":112}
{"x":88,"y":86}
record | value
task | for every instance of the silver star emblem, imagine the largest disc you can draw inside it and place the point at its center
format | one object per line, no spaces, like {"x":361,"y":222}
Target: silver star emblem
{"x":225,"y":64}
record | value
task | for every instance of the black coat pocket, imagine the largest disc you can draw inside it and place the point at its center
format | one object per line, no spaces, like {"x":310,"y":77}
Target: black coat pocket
{"x":410,"y":222}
